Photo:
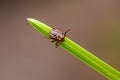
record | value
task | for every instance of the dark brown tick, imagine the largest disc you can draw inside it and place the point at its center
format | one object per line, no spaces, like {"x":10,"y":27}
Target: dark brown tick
{"x":57,"y":36}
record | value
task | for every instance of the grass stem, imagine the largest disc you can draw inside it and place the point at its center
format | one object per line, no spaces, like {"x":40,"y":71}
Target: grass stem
{"x":79,"y":52}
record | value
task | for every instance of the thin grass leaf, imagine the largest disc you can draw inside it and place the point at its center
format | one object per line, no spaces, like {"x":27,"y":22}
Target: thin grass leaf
{"x":79,"y":52}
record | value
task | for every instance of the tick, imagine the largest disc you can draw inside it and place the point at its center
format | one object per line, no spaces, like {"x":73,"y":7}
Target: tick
{"x":57,"y":36}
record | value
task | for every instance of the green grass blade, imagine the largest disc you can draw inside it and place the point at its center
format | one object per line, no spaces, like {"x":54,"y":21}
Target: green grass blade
{"x":79,"y":52}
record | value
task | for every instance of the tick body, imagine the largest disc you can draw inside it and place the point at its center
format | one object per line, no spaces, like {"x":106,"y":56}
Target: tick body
{"x":57,"y":36}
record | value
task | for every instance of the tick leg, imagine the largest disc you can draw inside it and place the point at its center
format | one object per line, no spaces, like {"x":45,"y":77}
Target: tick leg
{"x":57,"y":44}
{"x":53,"y":40}
{"x":66,"y":32}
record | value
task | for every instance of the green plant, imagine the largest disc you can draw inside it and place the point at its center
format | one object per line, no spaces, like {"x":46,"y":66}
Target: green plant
{"x":79,"y":52}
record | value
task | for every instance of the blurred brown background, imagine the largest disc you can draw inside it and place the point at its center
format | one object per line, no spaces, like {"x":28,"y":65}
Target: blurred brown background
{"x":27,"y":55}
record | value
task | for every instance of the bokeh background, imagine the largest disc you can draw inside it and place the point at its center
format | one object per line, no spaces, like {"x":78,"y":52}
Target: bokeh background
{"x":26,"y":55}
